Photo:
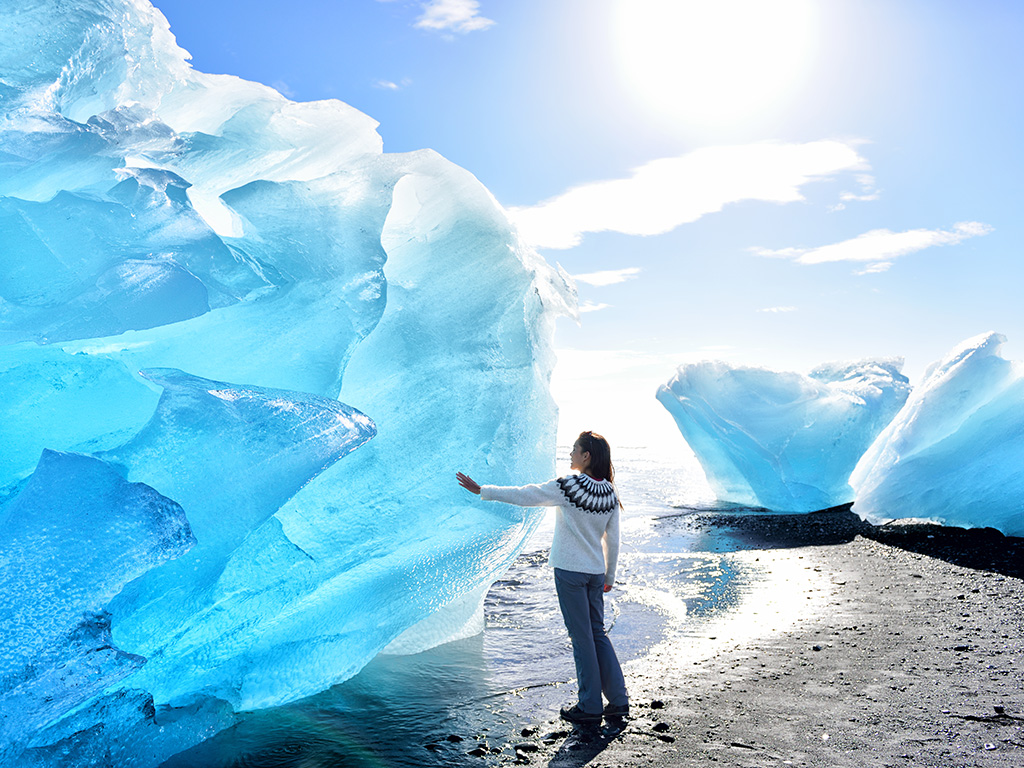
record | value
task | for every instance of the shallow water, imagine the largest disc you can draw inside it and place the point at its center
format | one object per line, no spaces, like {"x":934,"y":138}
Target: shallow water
{"x":432,"y":708}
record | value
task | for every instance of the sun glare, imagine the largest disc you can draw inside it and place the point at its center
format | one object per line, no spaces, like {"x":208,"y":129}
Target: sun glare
{"x":713,"y":63}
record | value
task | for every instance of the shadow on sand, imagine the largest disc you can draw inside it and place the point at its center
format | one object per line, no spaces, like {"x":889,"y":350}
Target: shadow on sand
{"x":983,"y":549}
{"x":585,"y":742}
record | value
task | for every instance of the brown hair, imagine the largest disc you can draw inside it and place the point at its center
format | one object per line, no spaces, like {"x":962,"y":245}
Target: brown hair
{"x":600,"y":455}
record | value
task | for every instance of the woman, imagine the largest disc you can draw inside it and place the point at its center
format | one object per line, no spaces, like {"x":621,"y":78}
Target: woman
{"x":584,"y":551}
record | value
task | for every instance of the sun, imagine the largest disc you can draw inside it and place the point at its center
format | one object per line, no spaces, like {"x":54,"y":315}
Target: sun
{"x":713,"y":63}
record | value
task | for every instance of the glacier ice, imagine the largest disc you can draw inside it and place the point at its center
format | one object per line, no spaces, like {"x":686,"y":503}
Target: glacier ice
{"x":954,"y":453}
{"x":73,"y":537}
{"x":231,"y":456}
{"x":783,"y":440}
{"x":42,"y":385}
{"x":203,"y":288}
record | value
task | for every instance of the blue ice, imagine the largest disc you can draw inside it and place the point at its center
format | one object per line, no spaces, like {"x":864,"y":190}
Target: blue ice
{"x":782,"y":440}
{"x":71,"y":539}
{"x":236,"y":311}
{"x":954,"y":454}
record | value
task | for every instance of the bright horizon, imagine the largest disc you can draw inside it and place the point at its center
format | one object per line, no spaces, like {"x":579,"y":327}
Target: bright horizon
{"x":828,"y":181}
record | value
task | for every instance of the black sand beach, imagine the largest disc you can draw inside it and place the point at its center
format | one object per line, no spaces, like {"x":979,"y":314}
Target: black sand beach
{"x":851,"y":645}
{"x":910,"y":655}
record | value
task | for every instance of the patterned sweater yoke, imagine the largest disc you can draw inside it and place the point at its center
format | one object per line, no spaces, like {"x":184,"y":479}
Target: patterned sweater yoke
{"x":589,"y":495}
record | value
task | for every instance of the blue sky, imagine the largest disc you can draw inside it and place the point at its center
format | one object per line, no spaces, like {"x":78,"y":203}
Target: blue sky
{"x":830,"y":181}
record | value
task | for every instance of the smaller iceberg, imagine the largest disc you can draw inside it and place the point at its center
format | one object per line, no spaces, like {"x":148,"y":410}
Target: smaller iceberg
{"x":783,"y":440}
{"x":954,"y":454}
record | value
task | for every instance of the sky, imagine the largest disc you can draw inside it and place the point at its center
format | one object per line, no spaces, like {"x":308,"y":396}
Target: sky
{"x":769,"y":184}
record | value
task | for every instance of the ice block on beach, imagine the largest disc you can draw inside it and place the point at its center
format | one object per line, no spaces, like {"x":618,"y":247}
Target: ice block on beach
{"x":955,"y":453}
{"x":279,"y":281}
{"x":782,"y":440}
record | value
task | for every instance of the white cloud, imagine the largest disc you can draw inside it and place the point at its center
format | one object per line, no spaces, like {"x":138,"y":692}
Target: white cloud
{"x":848,"y":196}
{"x":663,"y":194}
{"x":452,"y":16}
{"x":589,"y":306}
{"x":390,"y":85}
{"x":607,"y":277}
{"x":879,"y":246}
{"x":868,"y":192}
{"x":776,"y":310}
{"x":874,"y":269}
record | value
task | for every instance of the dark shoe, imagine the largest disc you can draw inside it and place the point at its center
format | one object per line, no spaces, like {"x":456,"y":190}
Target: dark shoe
{"x":620,"y":710}
{"x":576,"y":715}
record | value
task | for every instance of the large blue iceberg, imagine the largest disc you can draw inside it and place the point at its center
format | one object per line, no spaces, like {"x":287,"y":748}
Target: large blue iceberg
{"x":955,"y":453}
{"x":780,"y":440}
{"x":242,"y":351}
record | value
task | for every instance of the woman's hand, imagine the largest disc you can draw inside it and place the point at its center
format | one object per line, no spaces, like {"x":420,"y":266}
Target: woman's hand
{"x":468,"y":483}
{"x":607,"y":587}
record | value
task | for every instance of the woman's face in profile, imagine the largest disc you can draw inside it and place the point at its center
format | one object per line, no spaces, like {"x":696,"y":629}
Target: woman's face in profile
{"x":578,"y":459}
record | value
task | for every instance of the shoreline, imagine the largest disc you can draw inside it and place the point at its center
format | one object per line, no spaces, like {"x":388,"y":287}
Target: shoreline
{"x":834,"y":643}
{"x":909,"y":653}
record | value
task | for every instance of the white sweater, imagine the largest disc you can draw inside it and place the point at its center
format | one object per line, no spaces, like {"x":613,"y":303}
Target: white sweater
{"x":586,"y":538}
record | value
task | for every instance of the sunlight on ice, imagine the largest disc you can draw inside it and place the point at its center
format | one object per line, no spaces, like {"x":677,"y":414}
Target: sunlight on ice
{"x":264,"y":265}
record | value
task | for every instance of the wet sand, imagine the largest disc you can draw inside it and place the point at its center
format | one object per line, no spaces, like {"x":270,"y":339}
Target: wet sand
{"x":908,"y":652}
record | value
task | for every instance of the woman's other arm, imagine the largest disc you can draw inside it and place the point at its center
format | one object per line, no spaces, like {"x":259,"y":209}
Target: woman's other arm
{"x":610,"y":543}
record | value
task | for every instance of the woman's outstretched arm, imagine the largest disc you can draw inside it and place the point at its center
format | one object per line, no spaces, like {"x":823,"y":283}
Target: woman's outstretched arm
{"x":547,"y":494}
{"x":468,"y":483}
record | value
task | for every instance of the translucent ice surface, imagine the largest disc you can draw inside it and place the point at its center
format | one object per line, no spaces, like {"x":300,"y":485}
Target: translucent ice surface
{"x":219,"y":295}
{"x":954,"y":454}
{"x":74,"y":536}
{"x":780,"y":440}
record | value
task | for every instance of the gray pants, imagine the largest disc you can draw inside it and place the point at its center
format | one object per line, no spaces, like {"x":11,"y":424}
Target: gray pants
{"x":581,"y":598}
